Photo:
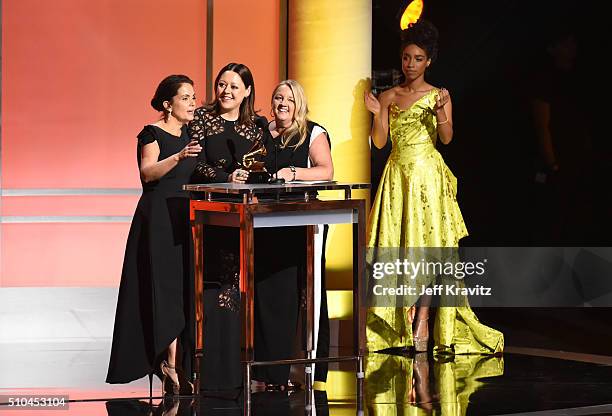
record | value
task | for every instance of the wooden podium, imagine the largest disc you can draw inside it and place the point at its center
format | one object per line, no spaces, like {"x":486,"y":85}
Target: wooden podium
{"x":247,"y":207}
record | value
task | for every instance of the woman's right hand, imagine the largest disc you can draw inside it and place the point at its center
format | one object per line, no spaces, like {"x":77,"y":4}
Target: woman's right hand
{"x":372,"y":103}
{"x":239,"y":176}
{"x":192,"y":149}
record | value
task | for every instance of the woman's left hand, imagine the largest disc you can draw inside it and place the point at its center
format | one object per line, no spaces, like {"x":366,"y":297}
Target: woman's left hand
{"x":239,"y":176}
{"x":286,"y":174}
{"x":442,"y":98}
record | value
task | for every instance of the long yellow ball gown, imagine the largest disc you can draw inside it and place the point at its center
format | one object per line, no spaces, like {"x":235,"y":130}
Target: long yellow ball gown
{"x":416,"y":206}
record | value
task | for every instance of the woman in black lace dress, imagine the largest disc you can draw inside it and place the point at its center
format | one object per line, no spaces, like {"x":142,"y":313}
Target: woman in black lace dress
{"x":154,"y":310}
{"x":226,"y":129}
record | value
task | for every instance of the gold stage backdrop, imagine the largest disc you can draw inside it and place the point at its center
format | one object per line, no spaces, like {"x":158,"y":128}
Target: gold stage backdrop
{"x":329,"y":53}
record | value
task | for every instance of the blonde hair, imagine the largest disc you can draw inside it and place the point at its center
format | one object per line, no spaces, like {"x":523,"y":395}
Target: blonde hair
{"x":298,"y":130}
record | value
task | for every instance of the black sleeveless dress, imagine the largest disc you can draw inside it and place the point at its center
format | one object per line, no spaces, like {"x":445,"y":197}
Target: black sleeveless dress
{"x":155,"y":294}
{"x":280,"y":270}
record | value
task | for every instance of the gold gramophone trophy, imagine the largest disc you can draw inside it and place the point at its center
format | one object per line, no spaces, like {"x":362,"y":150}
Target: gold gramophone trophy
{"x":256,"y":168}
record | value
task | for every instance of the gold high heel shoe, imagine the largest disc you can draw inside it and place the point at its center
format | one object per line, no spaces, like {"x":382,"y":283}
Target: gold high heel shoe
{"x":169,"y":385}
{"x":421,"y":342}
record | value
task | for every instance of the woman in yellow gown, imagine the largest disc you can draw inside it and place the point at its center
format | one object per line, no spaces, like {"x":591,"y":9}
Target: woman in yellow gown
{"x":416,"y":205}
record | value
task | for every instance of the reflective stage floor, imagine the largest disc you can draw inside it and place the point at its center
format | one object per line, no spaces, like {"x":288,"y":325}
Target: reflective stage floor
{"x":523,"y":381}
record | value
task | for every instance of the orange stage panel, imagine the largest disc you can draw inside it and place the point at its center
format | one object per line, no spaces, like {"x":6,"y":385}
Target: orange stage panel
{"x":59,"y":254}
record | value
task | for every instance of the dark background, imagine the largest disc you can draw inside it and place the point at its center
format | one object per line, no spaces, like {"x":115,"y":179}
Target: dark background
{"x":488,"y":53}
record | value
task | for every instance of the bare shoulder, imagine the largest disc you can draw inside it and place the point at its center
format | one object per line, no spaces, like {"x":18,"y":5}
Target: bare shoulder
{"x":428,"y":87}
{"x":436,"y":88}
{"x":387,"y":97}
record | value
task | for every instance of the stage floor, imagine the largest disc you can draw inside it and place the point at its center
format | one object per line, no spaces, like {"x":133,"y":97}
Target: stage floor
{"x":522,"y":381}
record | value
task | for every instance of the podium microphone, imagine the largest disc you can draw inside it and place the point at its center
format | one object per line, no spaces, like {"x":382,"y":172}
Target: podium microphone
{"x":262,"y":123}
{"x":274,"y":180}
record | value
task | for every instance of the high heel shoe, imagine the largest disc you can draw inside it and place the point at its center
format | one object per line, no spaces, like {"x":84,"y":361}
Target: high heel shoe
{"x":421,"y":342}
{"x":169,"y":385}
{"x":185,"y":385}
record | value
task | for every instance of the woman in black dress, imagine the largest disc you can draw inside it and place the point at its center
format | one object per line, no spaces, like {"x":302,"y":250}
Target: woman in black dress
{"x":303,"y":153}
{"x":226,"y":129}
{"x":154,"y":310}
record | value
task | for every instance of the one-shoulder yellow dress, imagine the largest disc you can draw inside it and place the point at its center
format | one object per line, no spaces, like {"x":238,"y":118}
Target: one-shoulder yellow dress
{"x":416,"y":206}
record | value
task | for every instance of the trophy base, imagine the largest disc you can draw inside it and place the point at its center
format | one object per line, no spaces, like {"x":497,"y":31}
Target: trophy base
{"x":258,"y":177}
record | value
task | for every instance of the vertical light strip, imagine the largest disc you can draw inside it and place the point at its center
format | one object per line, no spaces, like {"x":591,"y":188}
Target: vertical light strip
{"x":283,"y":42}
{"x":1,"y":61}
{"x":330,"y":50}
{"x":209,"y":48}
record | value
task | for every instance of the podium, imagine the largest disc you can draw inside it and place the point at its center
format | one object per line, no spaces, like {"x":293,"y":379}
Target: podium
{"x":250,"y":206}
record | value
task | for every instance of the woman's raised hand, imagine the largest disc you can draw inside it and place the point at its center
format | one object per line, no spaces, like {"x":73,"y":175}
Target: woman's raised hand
{"x":372,"y":103}
{"x":191,"y":150}
{"x":442,"y":98}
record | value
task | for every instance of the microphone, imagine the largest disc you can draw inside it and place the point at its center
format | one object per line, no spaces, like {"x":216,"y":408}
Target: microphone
{"x":262,"y":123}
{"x":276,"y":180}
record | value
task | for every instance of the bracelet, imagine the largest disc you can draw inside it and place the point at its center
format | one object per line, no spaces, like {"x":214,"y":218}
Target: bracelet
{"x":292,"y":169}
{"x":442,"y":122}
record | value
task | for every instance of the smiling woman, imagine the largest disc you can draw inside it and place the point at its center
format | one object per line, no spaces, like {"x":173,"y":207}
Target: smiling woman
{"x":302,"y":151}
{"x":153,"y":315}
{"x":226,"y":128}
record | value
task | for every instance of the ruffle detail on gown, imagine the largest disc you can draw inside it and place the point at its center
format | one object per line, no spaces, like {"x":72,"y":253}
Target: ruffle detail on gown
{"x":416,"y":206}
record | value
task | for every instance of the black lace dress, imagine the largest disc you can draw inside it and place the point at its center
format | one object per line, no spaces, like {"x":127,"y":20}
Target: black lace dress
{"x":155,"y":294}
{"x":279,"y":268}
{"x":224,"y":143}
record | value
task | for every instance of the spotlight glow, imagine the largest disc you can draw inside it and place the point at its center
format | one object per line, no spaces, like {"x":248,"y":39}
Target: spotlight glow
{"x":411,"y":14}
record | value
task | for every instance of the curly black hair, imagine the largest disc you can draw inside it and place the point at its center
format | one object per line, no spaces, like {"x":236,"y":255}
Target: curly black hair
{"x":422,"y":34}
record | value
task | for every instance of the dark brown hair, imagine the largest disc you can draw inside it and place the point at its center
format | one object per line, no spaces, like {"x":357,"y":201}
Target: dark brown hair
{"x":247,"y":106}
{"x":167,"y":89}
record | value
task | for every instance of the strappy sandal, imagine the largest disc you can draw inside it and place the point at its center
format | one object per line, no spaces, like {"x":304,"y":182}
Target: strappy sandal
{"x":421,"y":342}
{"x":169,"y":385}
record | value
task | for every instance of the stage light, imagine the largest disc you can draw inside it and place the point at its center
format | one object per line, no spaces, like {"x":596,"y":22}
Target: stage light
{"x":411,"y":14}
